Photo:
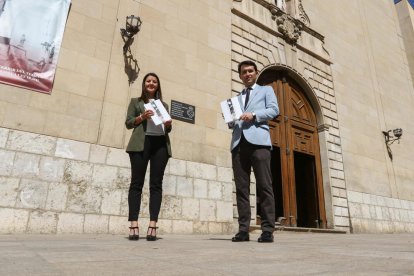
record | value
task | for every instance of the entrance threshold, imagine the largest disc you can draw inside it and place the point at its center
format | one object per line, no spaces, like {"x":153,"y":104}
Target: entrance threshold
{"x":256,"y":228}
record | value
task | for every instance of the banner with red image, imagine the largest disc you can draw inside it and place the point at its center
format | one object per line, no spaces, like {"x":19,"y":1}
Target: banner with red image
{"x":31,"y":33}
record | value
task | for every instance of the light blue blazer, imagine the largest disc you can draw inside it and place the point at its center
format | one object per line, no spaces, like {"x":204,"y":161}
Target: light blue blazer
{"x":263,"y":102}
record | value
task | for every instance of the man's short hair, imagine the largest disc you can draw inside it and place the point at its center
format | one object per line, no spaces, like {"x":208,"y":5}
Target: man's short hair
{"x":248,"y":63}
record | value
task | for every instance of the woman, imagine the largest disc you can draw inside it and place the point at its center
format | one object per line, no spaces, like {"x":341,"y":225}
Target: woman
{"x":148,"y":142}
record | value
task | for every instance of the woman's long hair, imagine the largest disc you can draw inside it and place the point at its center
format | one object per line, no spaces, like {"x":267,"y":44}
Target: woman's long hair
{"x":144,"y":93}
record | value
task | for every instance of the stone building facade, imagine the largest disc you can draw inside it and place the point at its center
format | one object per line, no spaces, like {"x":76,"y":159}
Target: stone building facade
{"x":64,"y":168}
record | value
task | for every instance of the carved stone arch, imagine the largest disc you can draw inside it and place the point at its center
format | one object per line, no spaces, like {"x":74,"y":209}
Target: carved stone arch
{"x":301,"y":81}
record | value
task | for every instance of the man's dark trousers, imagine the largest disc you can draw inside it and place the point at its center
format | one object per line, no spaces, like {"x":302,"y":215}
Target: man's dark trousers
{"x":244,"y":157}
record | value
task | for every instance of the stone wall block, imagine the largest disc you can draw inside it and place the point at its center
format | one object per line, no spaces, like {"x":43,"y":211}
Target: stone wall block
{"x":96,"y":224}
{"x":365,"y":211}
{"x":169,"y":185}
{"x":76,"y":172}
{"x":123,"y":179}
{"x":26,"y":165}
{"x":8,"y":191}
{"x":32,"y":194}
{"x":177,"y":167}
{"x":200,"y":188}
{"x":404,"y":215}
{"x":84,"y":199}
{"x":13,"y":220}
{"x":225,"y":174}
{"x":104,"y":176}
{"x":165,"y":226}
{"x":215,"y":228}
{"x":171,"y":207}
{"x":385,"y":213}
{"x":207,"y":210}
{"x":42,"y":222}
{"x":124,"y":203}
{"x":182,"y":226}
{"x":7,"y":161}
{"x":184,"y":186}
{"x":31,"y":142}
{"x":228,"y":192}
{"x":372,"y":212}
{"x":337,"y":201}
{"x":381,"y":201}
{"x":215,"y":190}
{"x":190,"y":208}
{"x":72,"y":149}
{"x":70,"y":223}
{"x":51,"y":169}
{"x":111,"y":202}
{"x":404,"y":204}
{"x":341,"y":221}
{"x":118,"y":157}
{"x":200,"y":227}
{"x":354,"y":197}
{"x":203,"y":171}
{"x":57,"y":196}
{"x":391,"y":212}
{"x":118,"y":225}
{"x":224,"y":211}
{"x":98,"y":154}
{"x":4,"y":133}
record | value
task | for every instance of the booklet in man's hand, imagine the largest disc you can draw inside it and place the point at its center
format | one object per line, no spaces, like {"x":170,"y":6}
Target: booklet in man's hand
{"x":231,"y":109}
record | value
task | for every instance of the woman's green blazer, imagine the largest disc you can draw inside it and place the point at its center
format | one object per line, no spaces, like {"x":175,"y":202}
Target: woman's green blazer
{"x":136,"y":142}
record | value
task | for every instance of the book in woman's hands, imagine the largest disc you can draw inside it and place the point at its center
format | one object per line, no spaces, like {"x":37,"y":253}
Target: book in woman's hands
{"x":231,"y":109}
{"x":160,"y":113}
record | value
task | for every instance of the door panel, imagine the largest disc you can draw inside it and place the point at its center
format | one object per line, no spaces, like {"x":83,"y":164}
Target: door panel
{"x":298,"y":190}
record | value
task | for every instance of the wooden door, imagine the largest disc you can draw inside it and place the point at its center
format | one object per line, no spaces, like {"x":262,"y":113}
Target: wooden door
{"x":296,"y":157}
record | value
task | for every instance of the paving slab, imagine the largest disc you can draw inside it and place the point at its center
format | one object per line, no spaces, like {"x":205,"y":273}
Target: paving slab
{"x":290,"y":254}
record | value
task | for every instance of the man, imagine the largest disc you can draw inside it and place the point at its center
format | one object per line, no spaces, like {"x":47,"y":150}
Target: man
{"x":250,"y":147}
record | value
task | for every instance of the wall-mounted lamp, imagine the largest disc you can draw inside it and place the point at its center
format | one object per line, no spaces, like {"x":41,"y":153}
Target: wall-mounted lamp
{"x":132,"y":27}
{"x":390,"y":137}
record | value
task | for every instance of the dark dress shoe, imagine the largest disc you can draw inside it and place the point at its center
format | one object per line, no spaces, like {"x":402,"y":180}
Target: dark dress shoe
{"x":266,"y":236}
{"x":241,"y":237}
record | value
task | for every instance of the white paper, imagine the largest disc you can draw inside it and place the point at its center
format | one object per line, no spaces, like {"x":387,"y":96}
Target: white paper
{"x":160,"y":113}
{"x":231,"y":109}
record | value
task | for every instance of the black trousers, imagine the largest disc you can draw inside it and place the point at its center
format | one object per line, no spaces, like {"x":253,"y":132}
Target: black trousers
{"x":244,"y":157}
{"x":155,"y":152}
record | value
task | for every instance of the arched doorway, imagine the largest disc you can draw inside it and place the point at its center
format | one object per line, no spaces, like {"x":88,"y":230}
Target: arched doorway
{"x":296,"y":162}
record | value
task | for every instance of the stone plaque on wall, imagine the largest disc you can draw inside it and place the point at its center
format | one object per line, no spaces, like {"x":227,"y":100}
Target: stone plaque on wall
{"x":183,"y":112}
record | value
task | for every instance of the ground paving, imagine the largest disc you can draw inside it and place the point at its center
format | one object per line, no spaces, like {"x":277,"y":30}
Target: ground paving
{"x":290,"y":254}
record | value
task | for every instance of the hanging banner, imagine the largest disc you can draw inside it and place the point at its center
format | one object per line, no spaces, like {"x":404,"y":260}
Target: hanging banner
{"x":31,"y":33}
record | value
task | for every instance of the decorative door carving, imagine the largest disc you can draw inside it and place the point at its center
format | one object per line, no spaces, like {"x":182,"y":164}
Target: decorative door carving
{"x":298,"y":189}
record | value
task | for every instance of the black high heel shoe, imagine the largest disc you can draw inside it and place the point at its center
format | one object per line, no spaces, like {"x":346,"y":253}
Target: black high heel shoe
{"x":150,"y":236}
{"x":135,"y":235}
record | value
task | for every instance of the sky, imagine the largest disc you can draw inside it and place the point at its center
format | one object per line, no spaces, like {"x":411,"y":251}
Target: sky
{"x":410,"y":1}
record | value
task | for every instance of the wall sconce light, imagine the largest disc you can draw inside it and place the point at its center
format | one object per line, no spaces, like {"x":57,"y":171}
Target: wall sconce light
{"x":390,"y":137}
{"x":132,"y":27}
